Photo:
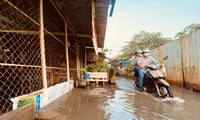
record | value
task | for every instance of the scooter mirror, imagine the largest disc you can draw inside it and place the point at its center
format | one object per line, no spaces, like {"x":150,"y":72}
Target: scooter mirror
{"x":165,"y":58}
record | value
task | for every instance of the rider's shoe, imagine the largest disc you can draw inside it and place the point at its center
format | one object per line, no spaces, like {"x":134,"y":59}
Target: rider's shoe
{"x":140,"y":89}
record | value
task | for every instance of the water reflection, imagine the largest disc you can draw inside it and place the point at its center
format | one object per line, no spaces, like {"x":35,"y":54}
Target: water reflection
{"x":147,"y":108}
{"x":126,"y":103}
{"x":118,"y":106}
{"x":123,"y":102}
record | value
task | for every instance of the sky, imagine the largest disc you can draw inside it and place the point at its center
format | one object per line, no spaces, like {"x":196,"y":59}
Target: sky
{"x":133,"y":16}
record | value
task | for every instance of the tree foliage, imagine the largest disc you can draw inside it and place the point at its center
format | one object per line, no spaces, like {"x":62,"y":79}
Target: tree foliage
{"x":191,"y":28}
{"x":107,"y":51}
{"x":142,"y":40}
{"x":98,"y":66}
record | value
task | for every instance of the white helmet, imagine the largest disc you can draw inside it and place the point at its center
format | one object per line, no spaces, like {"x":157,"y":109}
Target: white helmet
{"x":138,"y":51}
{"x":146,"y":50}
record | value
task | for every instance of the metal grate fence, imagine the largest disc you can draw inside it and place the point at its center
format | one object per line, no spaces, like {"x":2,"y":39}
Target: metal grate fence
{"x":20,"y":57}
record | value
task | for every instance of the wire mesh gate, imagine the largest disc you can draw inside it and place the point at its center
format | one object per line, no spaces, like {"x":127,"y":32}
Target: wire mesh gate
{"x":20,"y":52}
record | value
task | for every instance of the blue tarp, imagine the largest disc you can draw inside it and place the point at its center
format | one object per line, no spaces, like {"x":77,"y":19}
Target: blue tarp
{"x":124,"y":64}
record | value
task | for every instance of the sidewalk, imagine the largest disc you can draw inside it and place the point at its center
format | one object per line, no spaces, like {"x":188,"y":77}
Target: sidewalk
{"x":53,"y":110}
{"x":79,"y":104}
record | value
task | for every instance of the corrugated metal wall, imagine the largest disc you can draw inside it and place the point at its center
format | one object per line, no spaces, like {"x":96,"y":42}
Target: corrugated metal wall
{"x":183,"y":63}
{"x":191,"y":60}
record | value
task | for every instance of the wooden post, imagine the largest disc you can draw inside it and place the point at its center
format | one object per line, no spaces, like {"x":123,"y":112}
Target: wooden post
{"x":85,"y":57}
{"x":42,"y":47}
{"x":77,"y":59}
{"x":67,"y":52}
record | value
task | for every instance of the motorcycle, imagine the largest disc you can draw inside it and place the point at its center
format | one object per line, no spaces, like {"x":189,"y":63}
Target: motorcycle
{"x":155,"y":80}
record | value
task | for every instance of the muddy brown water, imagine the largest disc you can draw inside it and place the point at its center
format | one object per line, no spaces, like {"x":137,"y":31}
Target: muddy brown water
{"x":123,"y":102}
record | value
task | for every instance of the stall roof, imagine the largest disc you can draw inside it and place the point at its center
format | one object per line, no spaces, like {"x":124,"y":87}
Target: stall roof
{"x":80,"y":14}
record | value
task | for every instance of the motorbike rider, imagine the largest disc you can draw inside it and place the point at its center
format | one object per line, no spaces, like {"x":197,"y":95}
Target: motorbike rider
{"x":142,"y":62}
{"x":134,"y":60}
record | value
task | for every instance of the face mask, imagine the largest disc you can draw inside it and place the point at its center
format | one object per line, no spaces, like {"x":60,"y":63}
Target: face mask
{"x":139,"y":54}
{"x":146,"y":54}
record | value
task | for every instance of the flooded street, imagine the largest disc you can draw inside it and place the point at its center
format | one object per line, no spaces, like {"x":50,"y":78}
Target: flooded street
{"x":123,"y":102}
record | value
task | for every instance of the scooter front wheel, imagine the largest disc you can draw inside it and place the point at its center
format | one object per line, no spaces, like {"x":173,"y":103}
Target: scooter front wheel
{"x":166,"y":91}
{"x":169,"y":90}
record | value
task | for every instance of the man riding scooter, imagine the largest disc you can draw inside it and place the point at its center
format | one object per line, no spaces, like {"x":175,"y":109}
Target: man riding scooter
{"x":134,"y":59}
{"x":142,"y":62}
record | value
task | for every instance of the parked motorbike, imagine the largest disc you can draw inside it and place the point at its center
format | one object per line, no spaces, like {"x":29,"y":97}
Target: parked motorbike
{"x":155,"y":80}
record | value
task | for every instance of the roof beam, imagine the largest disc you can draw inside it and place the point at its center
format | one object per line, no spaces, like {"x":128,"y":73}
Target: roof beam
{"x":37,"y":33}
{"x":100,"y":4}
{"x":65,"y":18}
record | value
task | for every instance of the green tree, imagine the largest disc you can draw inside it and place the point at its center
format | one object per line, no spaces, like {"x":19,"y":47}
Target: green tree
{"x":191,"y":28}
{"x":107,"y":51}
{"x":142,"y":40}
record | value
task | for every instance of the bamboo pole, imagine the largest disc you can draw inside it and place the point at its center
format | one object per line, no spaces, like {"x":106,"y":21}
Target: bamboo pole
{"x":42,"y":46}
{"x":26,"y":15}
{"x":37,"y":33}
{"x":59,"y":68}
{"x":94,"y":39}
{"x":77,"y":59}
{"x":71,"y":27}
{"x":21,"y":32}
{"x":85,"y":57}
{"x":20,"y":65}
{"x":23,"y":13}
{"x":67,"y":52}
{"x":30,"y":95}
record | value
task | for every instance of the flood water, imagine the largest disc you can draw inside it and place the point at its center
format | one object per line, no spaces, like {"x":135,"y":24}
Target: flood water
{"x":123,"y":102}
